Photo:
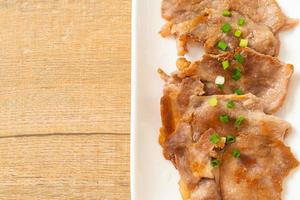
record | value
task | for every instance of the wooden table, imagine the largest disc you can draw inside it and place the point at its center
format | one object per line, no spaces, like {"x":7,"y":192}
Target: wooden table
{"x":64,"y":99}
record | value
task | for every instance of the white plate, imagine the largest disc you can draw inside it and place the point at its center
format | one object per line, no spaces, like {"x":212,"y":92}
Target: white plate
{"x":152,"y":177}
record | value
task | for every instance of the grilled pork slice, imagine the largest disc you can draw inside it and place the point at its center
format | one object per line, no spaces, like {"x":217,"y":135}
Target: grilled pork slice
{"x":175,"y":101}
{"x":264,"y":76}
{"x":206,"y":29}
{"x":265,"y":12}
{"x":202,"y":119}
{"x":207,"y":130}
{"x":202,"y":20}
{"x":258,"y":173}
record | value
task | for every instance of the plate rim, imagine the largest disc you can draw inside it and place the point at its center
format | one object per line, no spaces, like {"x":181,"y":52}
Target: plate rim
{"x":134,"y":23}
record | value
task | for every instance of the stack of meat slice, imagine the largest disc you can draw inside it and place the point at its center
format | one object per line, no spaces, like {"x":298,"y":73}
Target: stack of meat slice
{"x":203,"y":137}
{"x":217,"y":127}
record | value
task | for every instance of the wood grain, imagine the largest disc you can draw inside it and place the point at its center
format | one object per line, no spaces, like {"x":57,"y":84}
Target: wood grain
{"x":64,"y":99}
{"x":65,"y":167}
{"x":64,"y":66}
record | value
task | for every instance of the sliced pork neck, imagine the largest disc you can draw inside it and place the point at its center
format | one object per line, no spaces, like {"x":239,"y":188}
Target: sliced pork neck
{"x":264,"y":76}
{"x":259,"y":172}
{"x":202,"y":21}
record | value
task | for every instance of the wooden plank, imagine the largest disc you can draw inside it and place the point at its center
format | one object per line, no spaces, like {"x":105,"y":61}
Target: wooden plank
{"x":65,"y":167}
{"x":64,"y":66}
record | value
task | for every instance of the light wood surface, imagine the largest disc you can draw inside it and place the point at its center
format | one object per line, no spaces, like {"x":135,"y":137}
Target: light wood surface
{"x":64,"y":99}
{"x":64,"y":167}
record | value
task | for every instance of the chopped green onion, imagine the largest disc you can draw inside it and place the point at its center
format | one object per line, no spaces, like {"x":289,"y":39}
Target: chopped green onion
{"x":224,"y":118}
{"x":226,"y":28}
{"x":220,"y":86}
{"x":215,"y":163}
{"x":243,"y":43}
{"x":213,"y":101}
{"x":241,"y":21}
{"x":230,"y":104}
{"x":225,"y":64}
{"x":215,"y":138}
{"x":239,"y":121}
{"x":226,"y":13}
{"x":237,"y":74}
{"x":239,"y":58}
{"x":220,"y":80}
{"x":222,"y":45}
{"x":230,"y":139}
{"x":238,"y":33}
{"x":238,"y":92}
{"x":236,"y":153}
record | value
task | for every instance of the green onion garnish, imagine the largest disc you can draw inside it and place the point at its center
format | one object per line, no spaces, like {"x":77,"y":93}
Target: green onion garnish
{"x":226,"y":13}
{"x":239,"y":58}
{"x":226,"y":28}
{"x":220,"y":80}
{"x":239,"y":121}
{"x":222,"y":45}
{"x":243,"y":43}
{"x":238,"y":33}
{"x":241,"y":21}
{"x":230,"y":139}
{"x":236,"y":153}
{"x":215,"y":138}
{"x":213,"y":101}
{"x":225,"y":64}
{"x":238,"y":92}
{"x":215,"y":163}
{"x":237,"y":74}
{"x":224,"y":118}
{"x":230,"y":104}
{"x":220,"y":86}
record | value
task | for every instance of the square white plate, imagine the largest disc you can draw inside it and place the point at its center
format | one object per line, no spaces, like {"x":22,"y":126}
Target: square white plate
{"x":152,"y":177}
